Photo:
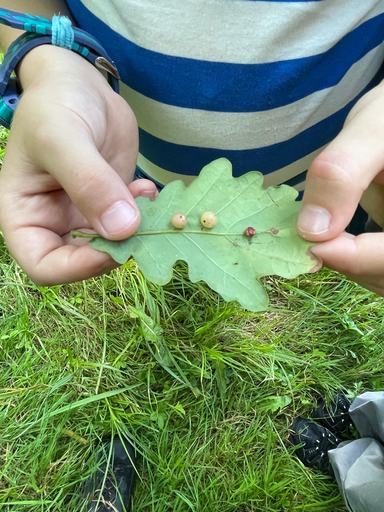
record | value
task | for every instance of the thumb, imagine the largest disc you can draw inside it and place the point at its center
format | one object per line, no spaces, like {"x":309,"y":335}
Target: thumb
{"x":94,"y":187}
{"x":338,"y":177}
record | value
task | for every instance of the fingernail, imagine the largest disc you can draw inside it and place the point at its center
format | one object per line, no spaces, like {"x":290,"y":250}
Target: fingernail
{"x":120,"y":216}
{"x":319,"y":262}
{"x":314,"y":220}
{"x":151,"y":194}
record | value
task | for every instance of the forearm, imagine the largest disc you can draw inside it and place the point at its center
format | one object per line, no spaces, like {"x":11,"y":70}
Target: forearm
{"x":45,"y":8}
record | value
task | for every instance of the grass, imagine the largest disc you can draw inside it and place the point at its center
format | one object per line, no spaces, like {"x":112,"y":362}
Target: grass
{"x":204,"y":390}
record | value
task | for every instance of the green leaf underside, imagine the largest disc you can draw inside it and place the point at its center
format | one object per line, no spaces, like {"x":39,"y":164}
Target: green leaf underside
{"x":230,"y":264}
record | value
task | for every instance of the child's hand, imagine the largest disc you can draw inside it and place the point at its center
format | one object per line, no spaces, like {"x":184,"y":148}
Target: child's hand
{"x":69,"y":165}
{"x":351,"y":165}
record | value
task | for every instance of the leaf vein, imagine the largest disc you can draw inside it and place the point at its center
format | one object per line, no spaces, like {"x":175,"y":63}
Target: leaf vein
{"x":216,"y":265}
{"x":246,"y":187}
{"x":205,"y":193}
{"x":150,"y":254}
{"x":165,"y":210}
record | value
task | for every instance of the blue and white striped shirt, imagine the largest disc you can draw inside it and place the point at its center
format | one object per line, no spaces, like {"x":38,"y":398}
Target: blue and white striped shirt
{"x":266,"y":84}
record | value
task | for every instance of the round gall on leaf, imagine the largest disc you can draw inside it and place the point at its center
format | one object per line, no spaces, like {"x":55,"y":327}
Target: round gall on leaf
{"x":208,"y":220}
{"x":179,"y":220}
{"x":250,"y":231}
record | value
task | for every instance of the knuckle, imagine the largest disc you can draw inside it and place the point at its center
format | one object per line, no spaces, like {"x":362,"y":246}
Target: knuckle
{"x":32,"y":271}
{"x":120,"y":107}
{"x":39,"y":280}
{"x":337,"y":169}
{"x":105,"y":267}
{"x":353,"y":269}
{"x":44,"y":136}
{"x":121,"y":103}
{"x":87,"y":184}
{"x":354,"y":263}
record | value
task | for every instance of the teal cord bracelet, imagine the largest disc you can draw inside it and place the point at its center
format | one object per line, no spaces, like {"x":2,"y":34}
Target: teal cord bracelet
{"x":62,"y":32}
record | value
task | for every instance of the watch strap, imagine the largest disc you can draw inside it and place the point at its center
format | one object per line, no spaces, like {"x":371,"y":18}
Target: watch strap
{"x":38,"y":32}
{"x":43,"y":26}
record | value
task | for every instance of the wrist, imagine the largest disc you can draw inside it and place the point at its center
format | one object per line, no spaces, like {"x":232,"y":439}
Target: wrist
{"x":51,"y":56}
{"x":46,"y":62}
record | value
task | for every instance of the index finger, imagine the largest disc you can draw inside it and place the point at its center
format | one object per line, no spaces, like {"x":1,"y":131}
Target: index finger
{"x":342,"y":172}
{"x":48,"y":261}
{"x":353,"y":255}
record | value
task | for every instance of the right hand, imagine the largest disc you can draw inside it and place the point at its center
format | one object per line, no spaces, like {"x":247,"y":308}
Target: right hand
{"x":69,"y":164}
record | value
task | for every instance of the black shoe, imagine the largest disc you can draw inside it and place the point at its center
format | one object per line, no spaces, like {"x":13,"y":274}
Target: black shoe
{"x":335,"y":416}
{"x":116,"y":494}
{"x":315,"y":442}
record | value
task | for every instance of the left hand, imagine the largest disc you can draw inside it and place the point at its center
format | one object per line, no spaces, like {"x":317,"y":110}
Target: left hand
{"x":69,"y":165}
{"x":350,"y":170}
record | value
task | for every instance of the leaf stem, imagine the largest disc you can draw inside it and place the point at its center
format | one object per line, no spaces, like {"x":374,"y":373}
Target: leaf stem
{"x":81,"y":234}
